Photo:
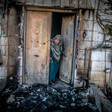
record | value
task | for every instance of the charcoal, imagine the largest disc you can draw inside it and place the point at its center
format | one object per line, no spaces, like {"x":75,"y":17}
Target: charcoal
{"x":43,"y":98}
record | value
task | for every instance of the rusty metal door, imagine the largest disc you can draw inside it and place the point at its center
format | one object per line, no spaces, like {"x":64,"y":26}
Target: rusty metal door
{"x":37,"y":47}
{"x":68,"y":37}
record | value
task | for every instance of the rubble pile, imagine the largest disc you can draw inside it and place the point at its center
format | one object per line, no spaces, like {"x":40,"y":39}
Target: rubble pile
{"x":42,"y":98}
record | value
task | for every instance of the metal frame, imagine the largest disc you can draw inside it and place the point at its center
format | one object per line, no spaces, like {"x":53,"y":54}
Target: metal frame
{"x":73,"y":72}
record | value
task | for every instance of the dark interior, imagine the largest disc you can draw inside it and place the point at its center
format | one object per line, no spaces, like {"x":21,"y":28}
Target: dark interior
{"x":56,"y":25}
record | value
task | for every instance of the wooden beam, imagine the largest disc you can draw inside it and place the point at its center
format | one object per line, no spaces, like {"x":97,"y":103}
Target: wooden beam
{"x":50,"y":10}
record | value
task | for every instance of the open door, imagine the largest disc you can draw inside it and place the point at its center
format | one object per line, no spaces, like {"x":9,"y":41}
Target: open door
{"x":68,"y":37}
{"x":38,"y":28}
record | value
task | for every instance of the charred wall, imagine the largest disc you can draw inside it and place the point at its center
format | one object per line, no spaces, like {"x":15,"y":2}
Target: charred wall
{"x":90,"y":62}
{"x":10,"y":39}
{"x":94,"y":47}
{"x":13,"y":40}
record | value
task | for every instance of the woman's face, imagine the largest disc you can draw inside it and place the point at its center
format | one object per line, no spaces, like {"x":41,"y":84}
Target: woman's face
{"x":57,"y":41}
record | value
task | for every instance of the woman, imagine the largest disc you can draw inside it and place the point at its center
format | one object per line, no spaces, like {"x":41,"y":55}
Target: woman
{"x":55,"y":57}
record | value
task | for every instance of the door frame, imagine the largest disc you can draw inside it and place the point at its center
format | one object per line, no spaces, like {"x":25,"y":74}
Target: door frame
{"x":38,"y":9}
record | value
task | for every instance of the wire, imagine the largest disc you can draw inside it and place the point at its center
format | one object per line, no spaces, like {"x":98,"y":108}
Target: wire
{"x":2,"y":18}
{"x":93,"y":48}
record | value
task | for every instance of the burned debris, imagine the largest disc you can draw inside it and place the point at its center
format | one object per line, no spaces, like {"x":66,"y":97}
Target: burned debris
{"x":42,"y":98}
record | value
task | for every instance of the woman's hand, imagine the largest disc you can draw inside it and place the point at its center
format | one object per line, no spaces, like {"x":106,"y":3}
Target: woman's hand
{"x":50,"y":58}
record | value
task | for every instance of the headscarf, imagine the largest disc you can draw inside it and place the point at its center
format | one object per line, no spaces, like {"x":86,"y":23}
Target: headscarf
{"x":56,"y":49}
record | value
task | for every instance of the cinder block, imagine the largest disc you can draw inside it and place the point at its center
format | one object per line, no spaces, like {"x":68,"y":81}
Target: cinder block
{"x":82,"y":3}
{"x":84,"y":45}
{"x":13,"y":20}
{"x":12,"y":70}
{"x":3,"y":71}
{"x":13,"y":31}
{"x":13,"y":11}
{"x":4,"y":50}
{"x":3,"y":41}
{"x":80,"y":64}
{"x":14,"y":41}
{"x":13,"y":56}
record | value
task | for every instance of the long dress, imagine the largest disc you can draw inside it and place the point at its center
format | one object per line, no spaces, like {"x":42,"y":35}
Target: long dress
{"x":54,"y":67}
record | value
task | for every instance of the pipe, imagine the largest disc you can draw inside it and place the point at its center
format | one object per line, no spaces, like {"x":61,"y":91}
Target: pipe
{"x":2,"y":18}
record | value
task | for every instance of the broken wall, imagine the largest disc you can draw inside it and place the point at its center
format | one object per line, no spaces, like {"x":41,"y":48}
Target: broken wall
{"x":94,"y":54}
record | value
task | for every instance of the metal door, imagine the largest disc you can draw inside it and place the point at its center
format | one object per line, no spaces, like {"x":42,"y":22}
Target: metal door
{"x":68,"y":37}
{"x":37,"y":47}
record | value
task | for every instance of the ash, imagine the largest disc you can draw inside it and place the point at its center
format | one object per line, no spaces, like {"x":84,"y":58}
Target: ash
{"x":44,"y":98}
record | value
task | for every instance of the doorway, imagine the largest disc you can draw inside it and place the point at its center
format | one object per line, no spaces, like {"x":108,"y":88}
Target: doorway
{"x":63,"y":24}
{"x":40,"y":27}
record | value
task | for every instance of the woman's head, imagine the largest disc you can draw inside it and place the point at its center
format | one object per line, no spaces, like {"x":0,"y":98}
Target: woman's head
{"x":57,"y":39}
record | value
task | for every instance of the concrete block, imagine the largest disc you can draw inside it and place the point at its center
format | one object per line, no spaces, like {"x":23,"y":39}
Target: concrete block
{"x":12,"y":70}
{"x":14,"y":20}
{"x":4,"y":50}
{"x":98,"y":78}
{"x":81,"y":71}
{"x":98,"y":36}
{"x":88,"y":15}
{"x":14,"y":41}
{"x":13,"y":31}
{"x":97,"y":27}
{"x":84,"y":44}
{"x":81,"y":55}
{"x":92,"y":4}
{"x":13,"y":11}
{"x":85,"y":35}
{"x":3,"y":71}
{"x":4,"y":60}
{"x":82,"y":3}
{"x":86,"y":25}
{"x":3,"y":41}
{"x":13,"y":55}
{"x":73,"y":3}
{"x":100,"y":65}
{"x":99,"y":55}
{"x":80,"y":64}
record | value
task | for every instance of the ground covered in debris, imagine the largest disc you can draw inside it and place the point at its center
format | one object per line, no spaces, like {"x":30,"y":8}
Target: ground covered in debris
{"x":42,"y":98}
